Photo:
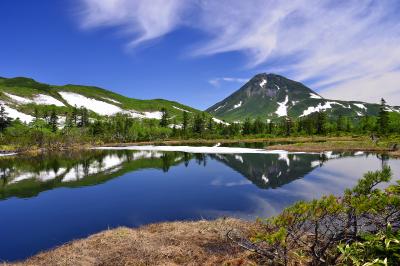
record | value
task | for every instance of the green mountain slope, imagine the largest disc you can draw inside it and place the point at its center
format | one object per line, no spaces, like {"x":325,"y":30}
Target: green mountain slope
{"x":22,"y":95}
{"x":272,"y":96}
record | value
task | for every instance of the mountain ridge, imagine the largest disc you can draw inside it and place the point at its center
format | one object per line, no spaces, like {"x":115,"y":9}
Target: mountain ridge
{"x":21,"y":96}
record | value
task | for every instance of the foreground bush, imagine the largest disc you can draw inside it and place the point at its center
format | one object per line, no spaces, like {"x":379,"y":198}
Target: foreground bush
{"x":360,"y":228}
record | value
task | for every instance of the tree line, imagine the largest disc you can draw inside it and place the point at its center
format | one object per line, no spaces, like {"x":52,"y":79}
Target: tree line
{"x":78,"y":125}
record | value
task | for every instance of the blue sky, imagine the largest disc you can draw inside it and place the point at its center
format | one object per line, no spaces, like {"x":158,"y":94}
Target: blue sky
{"x":199,"y":51}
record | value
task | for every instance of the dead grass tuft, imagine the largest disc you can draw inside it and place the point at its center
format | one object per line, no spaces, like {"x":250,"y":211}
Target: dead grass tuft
{"x":176,"y":243}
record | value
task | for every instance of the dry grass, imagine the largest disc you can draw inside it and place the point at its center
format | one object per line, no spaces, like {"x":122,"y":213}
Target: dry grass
{"x":234,"y":140}
{"x":331,"y":146}
{"x":176,"y":243}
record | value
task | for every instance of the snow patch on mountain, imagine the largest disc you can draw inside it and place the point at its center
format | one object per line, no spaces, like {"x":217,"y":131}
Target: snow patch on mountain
{"x":18,"y":99}
{"x":216,"y":120}
{"x":319,"y":108}
{"x":41,"y":99}
{"x":153,"y":115}
{"x":360,"y":105}
{"x":44,"y":99}
{"x":14,"y":114}
{"x":282,"y":108}
{"x":263,"y":83}
{"x":237,"y":105}
{"x":219,"y":107}
{"x":315,"y":96}
{"x":180,"y":109}
{"x":96,"y":106}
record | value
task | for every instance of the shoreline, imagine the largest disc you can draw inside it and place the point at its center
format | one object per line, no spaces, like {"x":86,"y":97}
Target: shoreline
{"x":291,"y":144}
{"x":200,"y":242}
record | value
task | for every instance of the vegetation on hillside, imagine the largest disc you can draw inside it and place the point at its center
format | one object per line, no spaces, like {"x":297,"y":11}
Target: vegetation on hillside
{"x":29,"y":88}
{"x":52,"y":129}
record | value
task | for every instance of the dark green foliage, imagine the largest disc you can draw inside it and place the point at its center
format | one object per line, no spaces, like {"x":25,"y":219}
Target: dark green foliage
{"x":164,"y":117}
{"x":199,"y":123}
{"x":4,"y":119}
{"x":53,"y":121}
{"x":383,"y":118}
{"x":185,"y":122}
{"x":321,"y":123}
{"x":83,"y":117}
{"x":360,"y":227}
{"x":247,"y":127}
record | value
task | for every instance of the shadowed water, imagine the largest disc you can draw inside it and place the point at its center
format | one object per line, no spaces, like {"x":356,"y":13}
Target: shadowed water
{"x":48,"y":200}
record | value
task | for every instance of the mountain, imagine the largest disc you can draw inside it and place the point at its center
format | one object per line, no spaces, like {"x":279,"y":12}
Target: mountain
{"x":275,"y":170}
{"x":21,"y":96}
{"x":272,"y":96}
{"x":31,"y":175}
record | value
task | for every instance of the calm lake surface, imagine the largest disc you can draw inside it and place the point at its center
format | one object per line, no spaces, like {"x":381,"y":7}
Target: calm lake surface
{"x":48,"y":200}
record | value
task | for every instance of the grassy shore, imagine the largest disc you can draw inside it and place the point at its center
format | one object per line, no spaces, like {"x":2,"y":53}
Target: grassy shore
{"x":360,"y":144}
{"x":298,"y":144}
{"x":176,"y":243}
{"x":235,"y":140}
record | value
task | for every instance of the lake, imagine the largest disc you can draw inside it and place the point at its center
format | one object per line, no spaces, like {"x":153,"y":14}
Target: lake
{"x":50,"y":199}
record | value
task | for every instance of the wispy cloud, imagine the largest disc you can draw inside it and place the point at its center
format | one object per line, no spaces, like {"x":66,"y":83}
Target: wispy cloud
{"x":337,"y":47}
{"x":145,"y":20}
{"x":216,"y":82}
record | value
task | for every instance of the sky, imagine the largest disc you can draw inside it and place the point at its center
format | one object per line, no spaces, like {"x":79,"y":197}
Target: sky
{"x":198,"y":52}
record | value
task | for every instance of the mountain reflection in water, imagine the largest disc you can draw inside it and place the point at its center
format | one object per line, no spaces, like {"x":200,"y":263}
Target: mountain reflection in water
{"x":25,"y":176}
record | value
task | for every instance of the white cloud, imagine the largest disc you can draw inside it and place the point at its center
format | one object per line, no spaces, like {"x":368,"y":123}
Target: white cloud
{"x":144,"y":19}
{"x":369,"y":88}
{"x":217,"y":81}
{"x":338,"y":47}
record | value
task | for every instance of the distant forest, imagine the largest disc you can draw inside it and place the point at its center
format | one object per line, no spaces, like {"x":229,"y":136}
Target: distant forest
{"x":77,"y":127}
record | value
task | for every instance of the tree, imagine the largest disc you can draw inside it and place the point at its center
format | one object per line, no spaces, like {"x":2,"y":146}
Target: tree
{"x":210,"y":126}
{"x":164,"y":117}
{"x":199,"y":123}
{"x":258,"y":126}
{"x":270,"y":127}
{"x":340,"y":123}
{"x":36,"y":113}
{"x":84,"y":117}
{"x":247,"y":126}
{"x":383,"y":118}
{"x":185,"y":122}
{"x":4,"y":119}
{"x":321,"y":123}
{"x":74,"y":116}
{"x":288,"y":125}
{"x":53,"y":122}
{"x":46,"y":116}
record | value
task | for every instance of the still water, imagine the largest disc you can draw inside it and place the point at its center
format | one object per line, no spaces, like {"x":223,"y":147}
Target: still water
{"x":48,"y":200}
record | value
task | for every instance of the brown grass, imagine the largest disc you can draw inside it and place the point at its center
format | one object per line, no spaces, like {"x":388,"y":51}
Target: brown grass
{"x":334,"y":146}
{"x":176,"y":243}
{"x":248,"y":140}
